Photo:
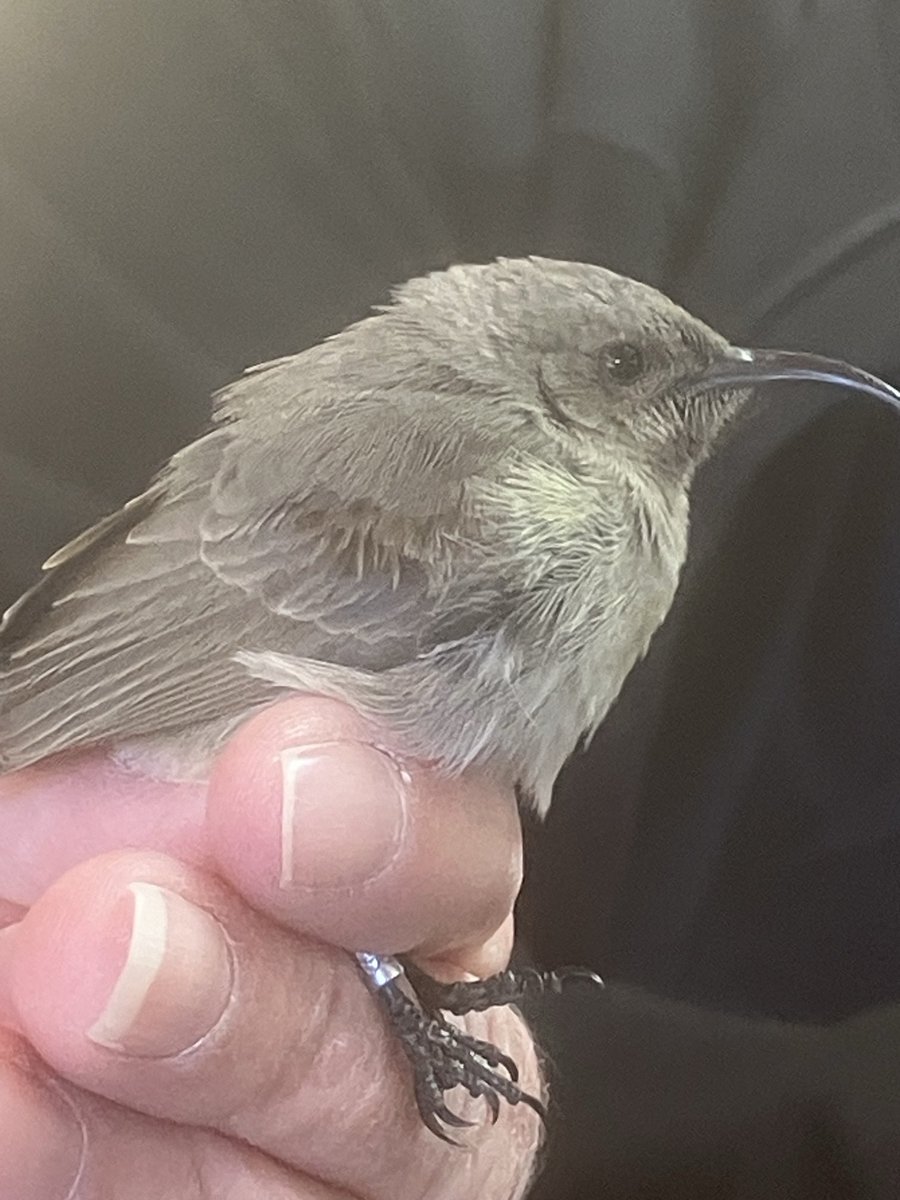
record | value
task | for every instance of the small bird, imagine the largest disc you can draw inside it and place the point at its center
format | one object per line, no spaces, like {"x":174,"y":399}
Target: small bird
{"x":465,"y":515}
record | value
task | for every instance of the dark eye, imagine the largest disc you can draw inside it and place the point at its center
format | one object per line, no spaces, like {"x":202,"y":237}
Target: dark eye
{"x":623,"y":362}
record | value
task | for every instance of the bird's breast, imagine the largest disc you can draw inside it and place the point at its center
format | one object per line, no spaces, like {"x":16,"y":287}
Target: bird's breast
{"x":608,"y":606}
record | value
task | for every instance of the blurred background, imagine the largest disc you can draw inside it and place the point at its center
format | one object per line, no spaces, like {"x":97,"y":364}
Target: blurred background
{"x":190,"y":188}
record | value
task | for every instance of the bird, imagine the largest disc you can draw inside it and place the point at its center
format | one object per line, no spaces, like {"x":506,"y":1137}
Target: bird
{"x":465,"y":514}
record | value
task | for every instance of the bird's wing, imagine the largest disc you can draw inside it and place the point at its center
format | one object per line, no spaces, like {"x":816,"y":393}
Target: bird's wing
{"x":334,"y":540}
{"x":122,"y":638}
{"x":365,"y":531}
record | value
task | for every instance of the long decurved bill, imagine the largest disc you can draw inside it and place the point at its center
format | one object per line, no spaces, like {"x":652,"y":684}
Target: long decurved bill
{"x":748,"y":368}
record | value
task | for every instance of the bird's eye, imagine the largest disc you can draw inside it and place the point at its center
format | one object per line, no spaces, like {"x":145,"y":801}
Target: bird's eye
{"x":623,"y":362}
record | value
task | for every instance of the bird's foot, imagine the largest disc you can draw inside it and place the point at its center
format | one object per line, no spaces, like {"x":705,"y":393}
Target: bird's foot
{"x":441,"y":1055}
{"x":442,"y":1058}
{"x":507,"y":987}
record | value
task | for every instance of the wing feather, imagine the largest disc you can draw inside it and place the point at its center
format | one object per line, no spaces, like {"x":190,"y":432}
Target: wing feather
{"x":122,"y":638}
{"x":334,"y":534}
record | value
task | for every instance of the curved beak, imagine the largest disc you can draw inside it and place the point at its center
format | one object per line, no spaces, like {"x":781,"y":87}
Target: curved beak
{"x":748,"y":368}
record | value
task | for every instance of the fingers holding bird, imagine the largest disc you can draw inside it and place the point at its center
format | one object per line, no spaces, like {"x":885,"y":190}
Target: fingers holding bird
{"x":148,"y":983}
{"x":200,"y":1011}
{"x":311,"y":816}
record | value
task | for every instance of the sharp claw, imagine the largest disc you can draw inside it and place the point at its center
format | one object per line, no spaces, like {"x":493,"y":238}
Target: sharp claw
{"x":535,"y":1104}
{"x":491,"y":1058}
{"x":430,"y":1120}
{"x":451,"y":1118}
{"x":509,"y":1065}
{"x":576,"y":975}
{"x":493,"y":1103}
{"x":496,"y":1059}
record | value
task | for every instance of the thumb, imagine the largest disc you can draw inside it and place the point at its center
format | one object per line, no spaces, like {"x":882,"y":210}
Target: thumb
{"x":311,"y":815}
{"x":315,"y":819}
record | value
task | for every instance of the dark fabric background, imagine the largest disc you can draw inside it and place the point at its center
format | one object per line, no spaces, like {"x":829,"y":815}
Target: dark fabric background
{"x":186,"y":189}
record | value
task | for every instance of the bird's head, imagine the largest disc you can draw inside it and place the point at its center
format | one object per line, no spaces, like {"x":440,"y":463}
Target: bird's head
{"x":583,"y":357}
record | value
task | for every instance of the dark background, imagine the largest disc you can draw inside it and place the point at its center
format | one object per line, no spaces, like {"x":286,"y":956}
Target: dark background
{"x":189,"y":188}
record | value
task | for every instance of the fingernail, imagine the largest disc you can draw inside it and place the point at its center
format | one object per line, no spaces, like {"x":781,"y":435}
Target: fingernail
{"x":175,"y":982}
{"x":343,"y":814}
{"x":43,"y":1139}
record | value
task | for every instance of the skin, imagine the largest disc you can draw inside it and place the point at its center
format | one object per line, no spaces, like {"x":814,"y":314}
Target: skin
{"x":295,"y":1089}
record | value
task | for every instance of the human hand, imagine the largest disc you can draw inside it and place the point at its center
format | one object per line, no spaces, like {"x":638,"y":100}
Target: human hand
{"x":179,"y":1021}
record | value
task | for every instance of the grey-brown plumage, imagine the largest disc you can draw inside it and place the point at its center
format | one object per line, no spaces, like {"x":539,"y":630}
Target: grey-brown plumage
{"x":413,"y":515}
{"x":465,"y":514}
